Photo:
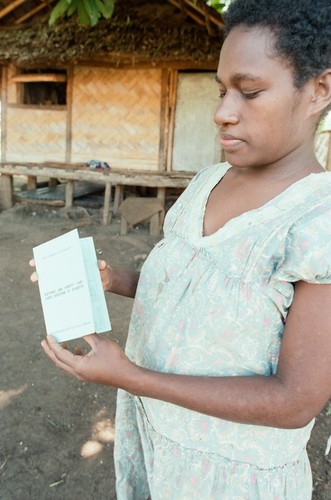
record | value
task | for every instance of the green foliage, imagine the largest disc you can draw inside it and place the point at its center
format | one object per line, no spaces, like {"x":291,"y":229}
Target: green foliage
{"x":88,"y":11}
{"x":218,"y":4}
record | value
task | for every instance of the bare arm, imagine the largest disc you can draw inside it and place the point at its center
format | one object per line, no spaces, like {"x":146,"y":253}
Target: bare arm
{"x":119,"y":281}
{"x":290,"y":399}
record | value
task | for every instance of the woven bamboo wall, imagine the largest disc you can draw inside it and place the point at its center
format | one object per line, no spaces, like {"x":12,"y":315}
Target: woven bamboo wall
{"x":116,"y":116}
{"x":35,"y":135}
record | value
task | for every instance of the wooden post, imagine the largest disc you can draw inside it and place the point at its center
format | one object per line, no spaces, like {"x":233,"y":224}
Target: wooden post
{"x":69,"y":193}
{"x":32,"y":182}
{"x":6,"y":181}
{"x":155,"y":224}
{"x":70,"y":81}
{"x":161,"y":192}
{"x":6,"y":191}
{"x":4,"y":99}
{"x":124,"y":227}
{"x":52,"y":182}
{"x":106,"y":219}
{"x":118,"y":197}
{"x":172,"y":111}
{"x":164,"y":119}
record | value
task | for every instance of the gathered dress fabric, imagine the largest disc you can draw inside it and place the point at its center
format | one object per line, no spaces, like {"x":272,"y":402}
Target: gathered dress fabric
{"x":216,"y":306}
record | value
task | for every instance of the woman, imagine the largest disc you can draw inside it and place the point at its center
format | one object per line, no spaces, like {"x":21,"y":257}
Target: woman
{"x":228,"y":356}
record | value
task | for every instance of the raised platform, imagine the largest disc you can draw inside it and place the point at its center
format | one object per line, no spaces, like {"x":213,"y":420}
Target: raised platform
{"x":69,"y":173}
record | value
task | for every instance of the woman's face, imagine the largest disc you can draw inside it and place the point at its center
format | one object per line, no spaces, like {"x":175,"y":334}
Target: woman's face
{"x":263,"y":117}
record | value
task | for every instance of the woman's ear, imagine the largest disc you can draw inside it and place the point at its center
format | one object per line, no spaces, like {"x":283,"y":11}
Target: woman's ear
{"x":321,"y":97}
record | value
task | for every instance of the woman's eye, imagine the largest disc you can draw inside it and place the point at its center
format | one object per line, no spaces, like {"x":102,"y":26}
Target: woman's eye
{"x":222,"y":94}
{"x":249,"y":95}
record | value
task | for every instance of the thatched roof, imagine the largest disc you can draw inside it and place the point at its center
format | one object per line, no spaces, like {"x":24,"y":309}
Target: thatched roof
{"x":139,"y":30}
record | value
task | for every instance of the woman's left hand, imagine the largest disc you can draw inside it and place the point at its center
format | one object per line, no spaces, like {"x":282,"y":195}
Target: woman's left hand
{"x":105,"y":363}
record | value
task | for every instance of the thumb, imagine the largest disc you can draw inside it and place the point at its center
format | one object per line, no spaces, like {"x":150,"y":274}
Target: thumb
{"x":92,"y":340}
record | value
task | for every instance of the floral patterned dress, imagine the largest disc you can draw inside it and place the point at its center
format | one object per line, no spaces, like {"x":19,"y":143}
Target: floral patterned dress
{"x":217,"y":305}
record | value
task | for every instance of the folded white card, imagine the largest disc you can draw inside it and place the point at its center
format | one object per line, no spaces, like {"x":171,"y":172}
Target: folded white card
{"x":70,"y":287}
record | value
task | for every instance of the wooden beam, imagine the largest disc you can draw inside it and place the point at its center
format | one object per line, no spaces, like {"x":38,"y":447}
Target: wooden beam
{"x":82,"y":173}
{"x":31,"y":13}
{"x":69,"y":104}
{"x":124,"y":61}
{"x":172,"y":113}
{"x":164,"y":119}
{"x":6,"y":181}
{"x":42,"y":77}
{"x":190,"y":7}
{"x":205,"y":10}
{"x":10,"y":7}
{"x":179,"y":5}
{"x":4,"y":106}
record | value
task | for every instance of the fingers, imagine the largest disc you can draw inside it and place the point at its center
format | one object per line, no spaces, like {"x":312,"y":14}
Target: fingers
{"x":34,"y":277}
{"x":92,"y":340}
{"x":61,"y":357}
{"x":102,"y":264}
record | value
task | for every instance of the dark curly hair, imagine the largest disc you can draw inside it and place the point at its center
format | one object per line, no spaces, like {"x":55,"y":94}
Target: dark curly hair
{"x":302,"y":30}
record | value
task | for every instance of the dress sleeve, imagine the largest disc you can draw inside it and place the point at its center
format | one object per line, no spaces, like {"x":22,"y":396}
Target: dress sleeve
{"x":307,"y":253}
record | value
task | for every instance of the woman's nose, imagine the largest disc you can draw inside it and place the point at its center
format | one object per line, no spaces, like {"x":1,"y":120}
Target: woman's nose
{"x":226,"y":112}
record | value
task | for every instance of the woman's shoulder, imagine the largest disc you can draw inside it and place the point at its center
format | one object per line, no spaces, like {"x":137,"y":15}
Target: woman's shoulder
{"x":312,"y":206}
{"x":218,"y":169}
{"x":202,"y":180}
{"x":307,"y":198}
{"x":321,"y":180}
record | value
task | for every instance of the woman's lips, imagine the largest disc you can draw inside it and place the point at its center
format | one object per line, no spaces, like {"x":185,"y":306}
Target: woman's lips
{"x":230,"y":142}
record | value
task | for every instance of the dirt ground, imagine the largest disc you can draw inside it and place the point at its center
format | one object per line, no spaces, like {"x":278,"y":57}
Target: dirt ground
{"x":56,"y":433}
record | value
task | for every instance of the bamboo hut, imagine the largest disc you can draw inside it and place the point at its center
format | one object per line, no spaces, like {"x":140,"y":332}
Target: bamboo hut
{"x":136,"y":92}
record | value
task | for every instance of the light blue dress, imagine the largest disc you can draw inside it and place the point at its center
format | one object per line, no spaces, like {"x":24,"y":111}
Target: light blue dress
{"x":217,"y":306}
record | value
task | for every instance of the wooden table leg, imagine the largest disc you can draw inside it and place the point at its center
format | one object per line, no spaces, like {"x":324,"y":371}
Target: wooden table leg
{"x":155,"y":224}
{"x":32,"y":182}
{"x":69,"y":194}
{"x":161,"y":192}
{"x":118,"y":197}
{"x":6,"y":191}
{"x":106,"y":218}
{"x":124,"y":227}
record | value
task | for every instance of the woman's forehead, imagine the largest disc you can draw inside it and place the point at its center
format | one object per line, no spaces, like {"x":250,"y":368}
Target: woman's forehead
{"x":248,"y":53}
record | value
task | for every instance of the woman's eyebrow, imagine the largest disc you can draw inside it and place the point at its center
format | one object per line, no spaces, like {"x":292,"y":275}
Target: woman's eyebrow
{"x":239,"y":77}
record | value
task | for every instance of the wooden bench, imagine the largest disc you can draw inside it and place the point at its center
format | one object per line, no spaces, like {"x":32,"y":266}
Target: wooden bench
{"x":80,"y":172}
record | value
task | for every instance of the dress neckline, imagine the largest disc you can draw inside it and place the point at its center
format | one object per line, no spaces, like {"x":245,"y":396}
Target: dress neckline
{"x":274,"y":202}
